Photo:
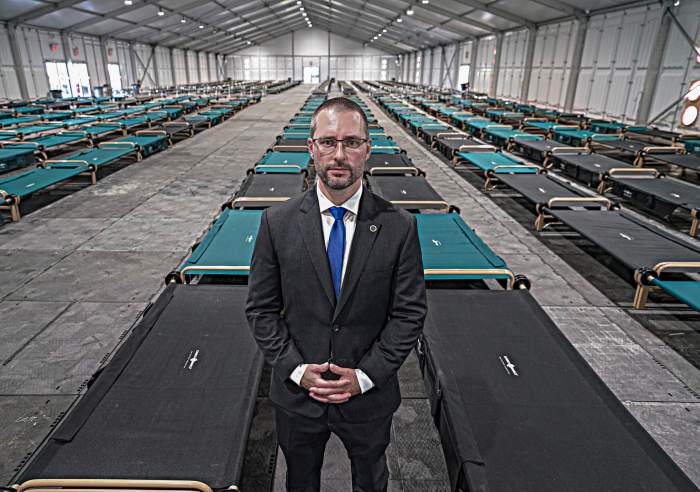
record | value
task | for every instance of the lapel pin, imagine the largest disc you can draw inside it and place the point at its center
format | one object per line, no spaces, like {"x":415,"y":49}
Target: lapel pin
{"x":373,"y":228}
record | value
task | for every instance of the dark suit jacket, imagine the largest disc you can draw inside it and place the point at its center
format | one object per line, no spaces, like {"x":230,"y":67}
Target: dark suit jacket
{"x":292,"y":310}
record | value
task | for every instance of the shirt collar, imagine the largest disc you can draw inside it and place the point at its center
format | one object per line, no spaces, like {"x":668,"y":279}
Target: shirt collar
{"x":352,"y":204}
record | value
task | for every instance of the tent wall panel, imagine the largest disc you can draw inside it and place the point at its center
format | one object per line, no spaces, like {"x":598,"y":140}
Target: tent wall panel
{"x":485,"y":57}
{"x":615,"y":56}
{"x":514,"y":51}
{"x":551,"y":64}
{"x":679,"y":67}
{"x":9,"y":85}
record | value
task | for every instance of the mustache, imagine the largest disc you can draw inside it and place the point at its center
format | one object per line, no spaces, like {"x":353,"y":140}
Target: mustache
{"x":339,"y":164}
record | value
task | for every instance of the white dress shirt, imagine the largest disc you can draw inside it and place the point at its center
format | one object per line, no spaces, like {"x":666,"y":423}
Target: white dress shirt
{"x":352,"y":205}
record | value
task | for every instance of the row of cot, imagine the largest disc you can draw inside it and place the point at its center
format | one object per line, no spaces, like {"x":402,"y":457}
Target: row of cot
{"x":515,"y":405}
{"x":130,"y":401}
{"x":95,"y":155}
{"x":656,"y":258}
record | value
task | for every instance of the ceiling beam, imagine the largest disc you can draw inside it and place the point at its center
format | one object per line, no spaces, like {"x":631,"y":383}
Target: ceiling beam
{"x":214,"y":28}
{"x":370,"y":30}
{"x":360,"y":14}
{"x":381,"y":45}
{"x":233,"y":45}
{"x":38,"y":12}
{"x":517,"y":19}
{"x":561,"y":7}
{"x":288,"y":21}
{"x":373,"y":27}
{"x":251,"y":22}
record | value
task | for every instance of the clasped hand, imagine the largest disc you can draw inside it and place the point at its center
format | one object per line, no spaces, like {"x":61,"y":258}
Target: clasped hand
{"x":330,"y":391}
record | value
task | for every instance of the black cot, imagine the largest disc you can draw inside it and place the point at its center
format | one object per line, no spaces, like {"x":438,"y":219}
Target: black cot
{"x":518,"y":409}
{"x":174,"y":403}
{"x":651,"y":191}
{"x":398,"y":164}
{"x":264,"y":190}
{"x":409,"y":192}
{"x":586,"y":167}
{"x":546,"y":192}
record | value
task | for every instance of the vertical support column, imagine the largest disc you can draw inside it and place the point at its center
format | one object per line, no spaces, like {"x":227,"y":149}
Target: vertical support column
{"x":496,"y":65}
{"x":441,"y":67}
{"x":472,"y":64}
{"x":154,"y":55}
{"x":527,"y":71}
{"x":172,"y":66}
{"x":105,"y":59}
{"x":328,"y":63}
{"x":132,"y":58}
{"x":455,"y":67}
{"x":17,"y":61}
{"x":208,"y":67}
{"x":294,"y":74}
{"x":576,"y":64}
{"x":651,"y":79}
{"x":187,"y":66}
{"x":199,"y":67}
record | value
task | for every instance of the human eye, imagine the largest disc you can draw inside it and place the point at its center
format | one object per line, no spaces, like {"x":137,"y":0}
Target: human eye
{"x":353,"y":143}
{"x":326,"y":142}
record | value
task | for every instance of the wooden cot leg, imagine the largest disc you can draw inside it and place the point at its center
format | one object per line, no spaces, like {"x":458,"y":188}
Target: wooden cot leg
{"x":694,"y":225}
{"x":14,"y":212}
{"x":640,"y":297}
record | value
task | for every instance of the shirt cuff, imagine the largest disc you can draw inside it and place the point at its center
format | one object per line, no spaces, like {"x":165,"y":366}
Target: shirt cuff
{"x":364,"y":381}
{"x":298,"y":373}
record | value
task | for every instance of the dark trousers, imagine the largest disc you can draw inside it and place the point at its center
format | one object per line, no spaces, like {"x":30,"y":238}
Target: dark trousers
{"x":303,"y":442}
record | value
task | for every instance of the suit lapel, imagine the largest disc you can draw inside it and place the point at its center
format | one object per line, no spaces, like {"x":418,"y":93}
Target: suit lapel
{"x":366,"y":232}
{"x":312,"y":234}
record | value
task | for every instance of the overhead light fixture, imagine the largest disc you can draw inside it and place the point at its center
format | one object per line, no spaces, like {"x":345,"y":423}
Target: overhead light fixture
{"x":298,"y":2}
{"x":128,"y":2}
{"x":399,"y":19}
{"x":161,"y":12}
{"x":409,"y":12}
{"x":383,"y":30}
{"x":247,"y":42}
{"x":301,"y":8}
{"x":676,"y":3}
{"x":426,"y":2}
{"x":201,"y":26}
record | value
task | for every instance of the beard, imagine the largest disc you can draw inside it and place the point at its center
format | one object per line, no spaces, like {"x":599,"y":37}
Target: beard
{"x":337,"y":182}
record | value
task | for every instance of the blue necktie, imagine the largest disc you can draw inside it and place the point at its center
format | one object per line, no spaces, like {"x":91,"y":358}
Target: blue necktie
{"x":336,"y":248}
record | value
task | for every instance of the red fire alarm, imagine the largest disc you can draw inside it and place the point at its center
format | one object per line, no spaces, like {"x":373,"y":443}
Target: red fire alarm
{"x":53,"y":47}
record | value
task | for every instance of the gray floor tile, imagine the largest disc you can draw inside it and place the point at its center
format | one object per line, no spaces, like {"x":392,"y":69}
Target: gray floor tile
{"x":101,"y":276}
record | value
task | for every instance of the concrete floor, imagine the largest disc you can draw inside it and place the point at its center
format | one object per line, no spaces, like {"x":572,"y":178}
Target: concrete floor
{"x":77,"y":273}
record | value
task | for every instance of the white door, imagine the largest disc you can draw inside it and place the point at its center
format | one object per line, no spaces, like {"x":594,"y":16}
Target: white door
{"x":115,"y":78}
{"x":79,"y":79}
{"x":58,"y":77}
{"x":312,"y":75}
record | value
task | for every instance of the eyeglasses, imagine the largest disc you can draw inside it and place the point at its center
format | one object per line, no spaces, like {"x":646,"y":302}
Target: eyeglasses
{"x":328,"y":144}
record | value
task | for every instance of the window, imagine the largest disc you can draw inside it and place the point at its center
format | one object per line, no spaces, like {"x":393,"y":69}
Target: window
{"x":115,"y":78}
{"x":71,"y":79}
{"x":58,"y":77}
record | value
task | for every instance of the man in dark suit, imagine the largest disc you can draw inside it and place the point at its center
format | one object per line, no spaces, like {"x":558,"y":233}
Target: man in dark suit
{"x":336,"y":302}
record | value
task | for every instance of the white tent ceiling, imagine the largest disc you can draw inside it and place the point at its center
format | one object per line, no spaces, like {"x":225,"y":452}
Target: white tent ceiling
{"x":225,"y":26}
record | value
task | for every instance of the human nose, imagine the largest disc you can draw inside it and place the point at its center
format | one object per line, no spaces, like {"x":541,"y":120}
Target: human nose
{"x":339,"y":150}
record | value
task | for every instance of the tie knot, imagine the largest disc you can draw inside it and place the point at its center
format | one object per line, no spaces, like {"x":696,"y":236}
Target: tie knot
{"x":337,"y":212}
